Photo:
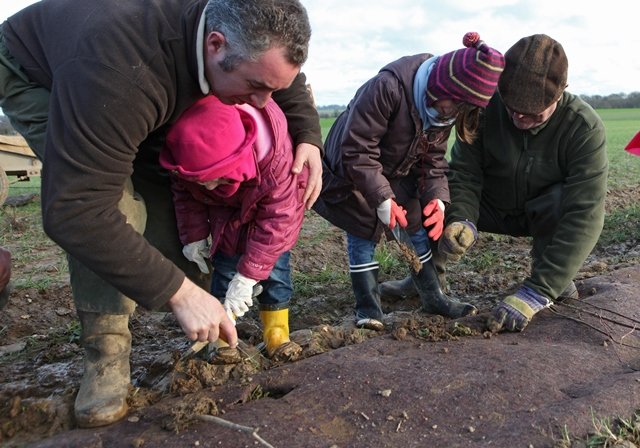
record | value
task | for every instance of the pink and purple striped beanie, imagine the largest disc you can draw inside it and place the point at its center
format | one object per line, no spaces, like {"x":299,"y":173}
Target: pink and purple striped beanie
{"x":467,"y":75}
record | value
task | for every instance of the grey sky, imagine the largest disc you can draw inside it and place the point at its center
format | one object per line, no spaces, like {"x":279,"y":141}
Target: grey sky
{"x":353,"y":39}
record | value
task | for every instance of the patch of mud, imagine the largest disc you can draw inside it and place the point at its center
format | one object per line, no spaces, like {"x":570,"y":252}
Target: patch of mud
{"x":185,"y":411}
{"x":41,"y":361}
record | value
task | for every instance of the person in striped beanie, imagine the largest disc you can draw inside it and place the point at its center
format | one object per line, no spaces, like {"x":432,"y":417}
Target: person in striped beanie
{"x":468,"y":75}
{"x":456,"y":86}
{"x":384,"y":164}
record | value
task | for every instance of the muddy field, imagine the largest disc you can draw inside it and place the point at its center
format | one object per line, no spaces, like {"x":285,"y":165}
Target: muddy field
{"x":41,"y":361}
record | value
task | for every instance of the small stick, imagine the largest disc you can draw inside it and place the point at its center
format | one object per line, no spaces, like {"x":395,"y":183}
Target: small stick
{"x":628,"y":333}
{"x":603,"y":309}
{"x":235,"y":426}
{"x":615,"y":313}
{"x":554,"y":310}
{"x":598,"y":315}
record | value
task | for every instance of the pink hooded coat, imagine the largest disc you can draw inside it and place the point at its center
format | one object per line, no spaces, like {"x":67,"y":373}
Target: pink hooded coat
{"x":262,"y":219}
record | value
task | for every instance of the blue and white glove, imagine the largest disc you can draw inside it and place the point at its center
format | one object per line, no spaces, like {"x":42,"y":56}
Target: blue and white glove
{"x":240,"y":295}
{"x":198,"y":252}
{"x":516,"y":311}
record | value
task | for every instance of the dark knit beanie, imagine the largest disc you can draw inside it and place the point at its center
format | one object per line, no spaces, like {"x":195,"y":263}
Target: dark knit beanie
{"x":535,"y":74}
{"x":469,"y":75}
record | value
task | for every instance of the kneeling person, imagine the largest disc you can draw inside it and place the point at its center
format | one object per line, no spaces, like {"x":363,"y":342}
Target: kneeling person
{"x":539,"y":169}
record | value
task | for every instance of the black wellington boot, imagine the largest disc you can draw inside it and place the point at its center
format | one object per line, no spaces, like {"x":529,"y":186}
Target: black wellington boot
{"x":434,"y":301}
{"x":395,"y":290}
{"x":364,"y":280}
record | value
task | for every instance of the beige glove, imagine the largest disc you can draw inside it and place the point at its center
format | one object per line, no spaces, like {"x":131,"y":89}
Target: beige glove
{"x":457,"y":238}
{"x":198,"y":252}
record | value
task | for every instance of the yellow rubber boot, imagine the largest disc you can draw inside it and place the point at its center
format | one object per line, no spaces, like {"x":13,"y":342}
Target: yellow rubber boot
{"x":276,"y":334}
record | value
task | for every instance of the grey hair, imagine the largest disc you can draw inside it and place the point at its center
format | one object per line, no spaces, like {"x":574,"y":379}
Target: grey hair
{"x":252,"y":27}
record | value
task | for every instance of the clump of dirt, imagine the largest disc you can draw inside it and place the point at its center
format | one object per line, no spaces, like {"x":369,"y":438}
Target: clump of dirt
{"x":39,"y":417}
{"x":186,"y":410}
{"x":410,"y":256}
{"x":435,"y":328}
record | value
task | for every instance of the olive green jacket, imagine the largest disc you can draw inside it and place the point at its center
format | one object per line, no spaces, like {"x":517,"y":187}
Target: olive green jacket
{"x":506,"y":167}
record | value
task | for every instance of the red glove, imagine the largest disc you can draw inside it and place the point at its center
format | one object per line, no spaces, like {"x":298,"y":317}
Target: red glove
{"x":434,"y":211}
{"x":390,"y":213}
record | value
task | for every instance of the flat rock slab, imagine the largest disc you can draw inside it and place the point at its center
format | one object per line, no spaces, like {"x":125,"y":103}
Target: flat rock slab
{"x":501,"y":391}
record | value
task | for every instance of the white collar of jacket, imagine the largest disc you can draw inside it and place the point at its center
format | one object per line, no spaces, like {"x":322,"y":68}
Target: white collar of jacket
{"x":204,"y":84}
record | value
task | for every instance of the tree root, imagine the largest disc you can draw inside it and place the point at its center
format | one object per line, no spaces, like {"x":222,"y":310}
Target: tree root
{"x":604,"y":320}
{"x":235,"y":426}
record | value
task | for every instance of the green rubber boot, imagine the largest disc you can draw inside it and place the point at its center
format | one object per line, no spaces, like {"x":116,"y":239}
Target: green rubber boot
{"x":102,"y":397}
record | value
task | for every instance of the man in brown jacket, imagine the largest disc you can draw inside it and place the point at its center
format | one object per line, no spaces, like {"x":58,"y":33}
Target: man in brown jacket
{"x":93,"y":87}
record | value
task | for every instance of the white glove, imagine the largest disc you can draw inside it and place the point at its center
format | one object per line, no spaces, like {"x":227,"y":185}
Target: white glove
{"x":257,"y":290}
{"x":198,"y":252}
{"x":239,"y":295}
{"x":384,"y":211}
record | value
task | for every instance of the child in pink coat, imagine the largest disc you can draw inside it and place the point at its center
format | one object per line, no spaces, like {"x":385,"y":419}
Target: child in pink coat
{"x":230,"y":169}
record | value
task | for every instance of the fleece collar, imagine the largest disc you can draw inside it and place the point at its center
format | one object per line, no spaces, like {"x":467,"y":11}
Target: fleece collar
{"x":204,"y":84}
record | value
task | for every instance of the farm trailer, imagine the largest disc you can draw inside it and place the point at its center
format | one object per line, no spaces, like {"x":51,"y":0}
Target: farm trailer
{"x":16,"y":160}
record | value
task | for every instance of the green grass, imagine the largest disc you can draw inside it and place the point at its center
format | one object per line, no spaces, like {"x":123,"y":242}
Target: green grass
{"x":32,"y":186}
{"x":42,"y":262}
{"x":621,"y":125}
{"x":325,"y":125}
{"x":621,"y":225}
{"x":606,"y":432}
{"x":307,"y":284}
{"x":390,"y":259}
{"x":38,"y":345}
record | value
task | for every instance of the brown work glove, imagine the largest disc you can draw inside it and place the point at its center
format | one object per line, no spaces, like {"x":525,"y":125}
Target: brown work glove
{"x":457,"y":238}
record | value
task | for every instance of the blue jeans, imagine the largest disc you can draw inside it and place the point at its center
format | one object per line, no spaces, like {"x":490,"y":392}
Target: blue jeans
{"x":361,"y":251}
{"x":277,"y":289}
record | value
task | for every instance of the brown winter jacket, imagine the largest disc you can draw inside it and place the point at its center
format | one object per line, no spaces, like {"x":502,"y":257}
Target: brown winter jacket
{"x":119,"y":73}
{"x":376,"y":150}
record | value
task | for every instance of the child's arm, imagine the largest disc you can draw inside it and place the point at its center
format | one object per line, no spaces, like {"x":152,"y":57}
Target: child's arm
{"x":276,"y":226}
{"x":192,"y":216}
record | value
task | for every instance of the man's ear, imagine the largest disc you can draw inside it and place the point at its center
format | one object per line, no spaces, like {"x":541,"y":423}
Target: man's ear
{"x":215,"y":42}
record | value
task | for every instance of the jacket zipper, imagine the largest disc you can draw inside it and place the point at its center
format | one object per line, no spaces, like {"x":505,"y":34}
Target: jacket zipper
{"x":521,"y":184}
